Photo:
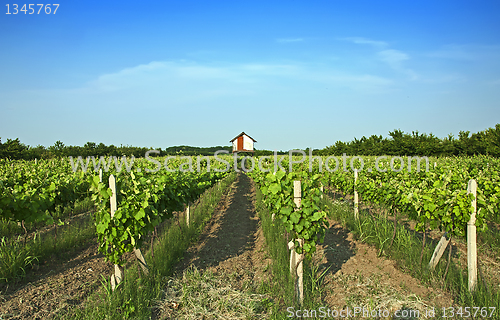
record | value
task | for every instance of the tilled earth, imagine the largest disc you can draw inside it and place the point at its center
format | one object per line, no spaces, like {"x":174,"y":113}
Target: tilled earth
{"x":358,"y":277}
{"x":232,"y":241}
{"x":54,"y":285}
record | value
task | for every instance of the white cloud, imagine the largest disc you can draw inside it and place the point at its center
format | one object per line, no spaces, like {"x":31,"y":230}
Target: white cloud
{"x":467,"y":52}
{"x":395,"y":59}
{"x":359,"y":40}
{"x":190,"y":80}
{"x":289,"y":40}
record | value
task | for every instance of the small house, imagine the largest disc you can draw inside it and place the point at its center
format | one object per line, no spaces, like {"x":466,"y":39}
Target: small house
{"x":243,"y":143}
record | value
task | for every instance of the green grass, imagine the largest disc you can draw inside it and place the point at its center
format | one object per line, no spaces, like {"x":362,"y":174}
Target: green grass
{"x":16,"y":256}
{"x":491,"y":238}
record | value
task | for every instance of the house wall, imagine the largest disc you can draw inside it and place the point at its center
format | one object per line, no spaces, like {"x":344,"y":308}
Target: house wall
{"x":243,"y":143}
{"x":247,"y":143}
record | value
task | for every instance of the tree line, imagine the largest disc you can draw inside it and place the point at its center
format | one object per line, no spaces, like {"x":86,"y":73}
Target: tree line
{"x":14,"y":149}
{"x":485,"y":142}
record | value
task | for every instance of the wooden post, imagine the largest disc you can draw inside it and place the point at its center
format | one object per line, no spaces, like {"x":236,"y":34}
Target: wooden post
{"x":297,"y":193}
{"x":100,"y":175}
{"x":356,"y":205}
{"x":321,"y":189}
{"x":291,"y":246}
{"x":117,"y":277}
{"x":187,"y":215}
{"x":142,"y":261}
{"x":297,"y":198}
{"x":471,"y":238}
{"x":438,"y":252}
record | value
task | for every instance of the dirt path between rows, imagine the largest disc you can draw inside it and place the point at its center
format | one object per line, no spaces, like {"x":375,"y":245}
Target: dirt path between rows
{"x":232,"y":241}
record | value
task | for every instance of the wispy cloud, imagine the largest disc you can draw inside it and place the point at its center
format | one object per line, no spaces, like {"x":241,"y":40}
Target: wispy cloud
{"x":467,"y":52}
{"x":447,"y":78}
{"x":187,"y":80}
{"x":364,"y":79}
{"x":360,"y":40}
{"x":395,"y":60}
{"x":289,"y":40}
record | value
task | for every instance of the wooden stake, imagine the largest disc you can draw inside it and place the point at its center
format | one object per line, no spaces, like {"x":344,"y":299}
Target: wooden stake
{"x":356,"y":205}
{"x":187,"y":215}
{"x":297,"y":193}
{"x":291,"y":246}
{"x":118,"y":276}
{"x":298,"y":265}
{"x":300,"y":273}
{"x":471,"y":238}
{"x":112,"y":186}
{"x":142,"y":261}
{"x":438,"y":252}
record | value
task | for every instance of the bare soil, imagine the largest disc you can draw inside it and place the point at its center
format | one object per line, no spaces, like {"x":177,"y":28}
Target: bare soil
{"x":356,"y":276}
{"x":56,"y":284}
{"x":232,"y":242}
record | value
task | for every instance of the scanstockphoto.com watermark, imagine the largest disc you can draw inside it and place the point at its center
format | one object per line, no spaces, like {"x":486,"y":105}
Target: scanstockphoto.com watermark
{"x":404,"y":313}
{"x":359,"y":312}
{"x":248,"y":163}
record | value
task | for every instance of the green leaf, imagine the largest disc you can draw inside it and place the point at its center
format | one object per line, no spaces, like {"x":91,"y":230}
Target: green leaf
{"x":139,"y":215}
{"x":285,"y":211}
{"x":280,"y":174}
{"x":101,"y":227}
{"x":275,"y":188}
{"x":294,"y":217}
{"x":317,"y":215}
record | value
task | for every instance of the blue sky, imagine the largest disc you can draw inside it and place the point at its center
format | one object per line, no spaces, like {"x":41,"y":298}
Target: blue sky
{"x":291,"y":74}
